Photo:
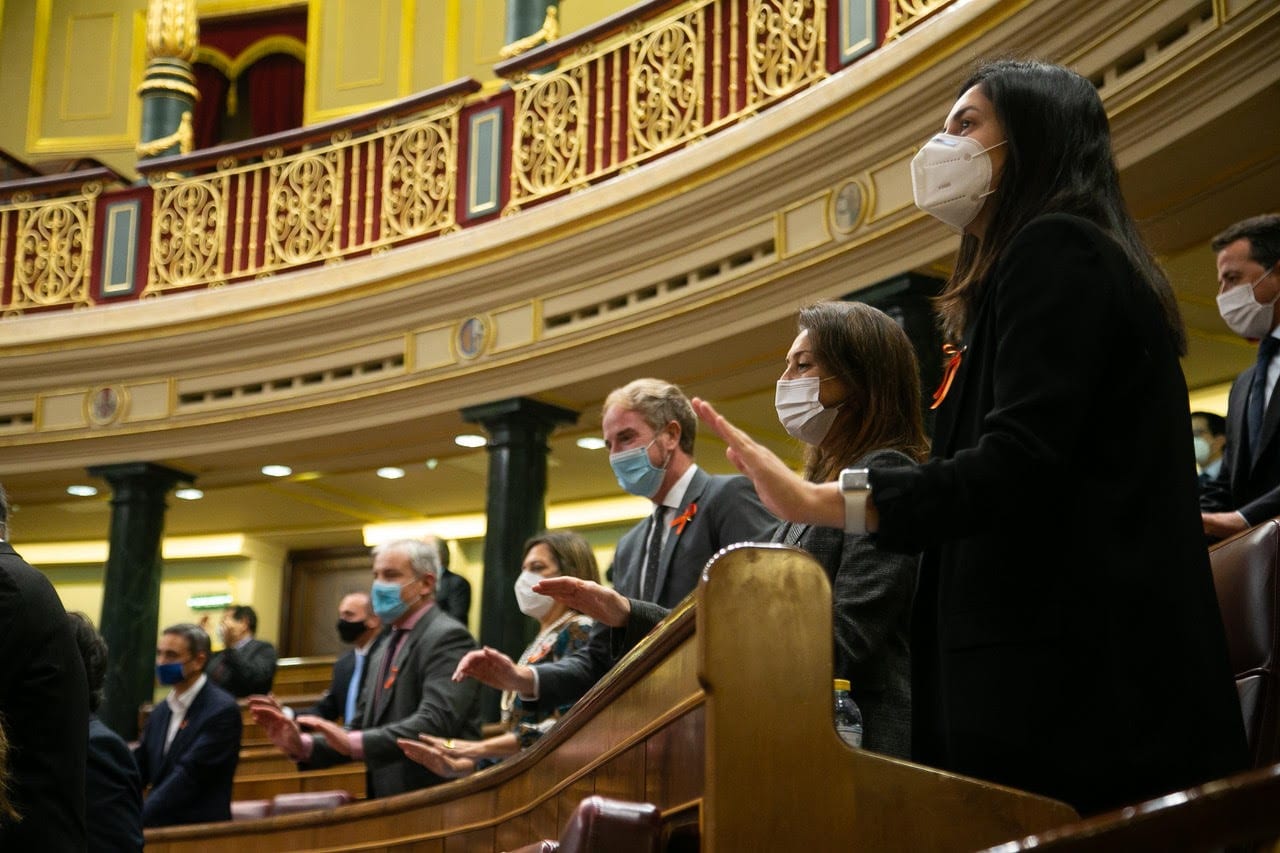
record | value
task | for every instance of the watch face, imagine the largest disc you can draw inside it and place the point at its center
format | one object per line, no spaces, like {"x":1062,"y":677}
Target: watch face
{"x":854,"y":479}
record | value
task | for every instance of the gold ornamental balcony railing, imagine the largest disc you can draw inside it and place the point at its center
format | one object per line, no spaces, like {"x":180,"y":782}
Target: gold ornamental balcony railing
{"x":306,"y":197}
{"x":649,"y":87}
{"x":577,"y":111}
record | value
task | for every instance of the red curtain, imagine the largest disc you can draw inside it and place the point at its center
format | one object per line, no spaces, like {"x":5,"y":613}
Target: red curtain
{"x":275,"y":85}
{"x":211,"y":106}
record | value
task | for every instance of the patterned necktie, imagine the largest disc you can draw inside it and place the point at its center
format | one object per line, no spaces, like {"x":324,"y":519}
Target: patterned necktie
{"x":1258,"y":393}
{"x":382,"y":687}
{"x":653,"y":554}
{"x":353,"y":690}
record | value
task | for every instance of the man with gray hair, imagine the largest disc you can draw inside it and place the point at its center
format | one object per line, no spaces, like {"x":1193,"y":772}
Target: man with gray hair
{"x":410,"y":691}
{"x":649,"y":427}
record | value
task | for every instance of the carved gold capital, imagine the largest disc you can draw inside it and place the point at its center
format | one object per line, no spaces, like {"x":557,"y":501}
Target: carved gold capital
{"x":172,"y":29}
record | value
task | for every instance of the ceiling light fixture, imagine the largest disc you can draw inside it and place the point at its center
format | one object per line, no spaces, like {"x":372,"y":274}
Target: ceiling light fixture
{"x":82,"y":491}
{"x":470,"y":440}
{"x":432,"y":463}
{"x":391,"y":473}
{"x":591,"y":442}
{"x":277,"y":470}
{"x":188,"y":494}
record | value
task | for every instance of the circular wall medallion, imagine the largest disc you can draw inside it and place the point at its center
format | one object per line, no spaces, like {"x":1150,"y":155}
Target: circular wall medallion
{"x":104,"y":405}
{"x":846,"y":207}
{"x":473,"y":337}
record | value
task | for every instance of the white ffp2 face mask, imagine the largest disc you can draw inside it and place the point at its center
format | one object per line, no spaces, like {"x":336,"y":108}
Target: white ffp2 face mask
{"x":801,"y":413}
{"x":951,"y":178}
{"x":532,"y":604}
{"x":1246,"y":316}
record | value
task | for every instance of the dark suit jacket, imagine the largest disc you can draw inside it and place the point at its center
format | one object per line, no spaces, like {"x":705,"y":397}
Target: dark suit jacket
{"x":1244,"y":484}
{"x":1066,"y":636}
{"x":334,"y":701}
{"x":245,"y":671}
{"x":728,"y":512}
{"x":872,"y":591}
{"x":113,"y":793}
{"x":44,"y":704}
{"x":422,"y":698}
{"x":453,"y":595}
{"x":191,"y":783}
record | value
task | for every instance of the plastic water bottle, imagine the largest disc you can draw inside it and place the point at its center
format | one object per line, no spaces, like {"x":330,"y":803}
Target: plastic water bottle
{"x":848,"y":717}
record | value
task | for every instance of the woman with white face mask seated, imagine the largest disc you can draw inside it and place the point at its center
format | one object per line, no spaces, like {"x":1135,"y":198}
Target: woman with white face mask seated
{"x":552,"y":554}
{"x":851,"y":392}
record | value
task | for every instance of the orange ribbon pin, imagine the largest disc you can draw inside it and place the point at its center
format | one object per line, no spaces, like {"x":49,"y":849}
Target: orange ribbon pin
{"x":684,"y":518}
{"x":948,"y":373}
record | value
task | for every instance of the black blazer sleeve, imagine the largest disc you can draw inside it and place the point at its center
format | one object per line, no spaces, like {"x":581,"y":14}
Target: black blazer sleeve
{"x":1048,"y":290}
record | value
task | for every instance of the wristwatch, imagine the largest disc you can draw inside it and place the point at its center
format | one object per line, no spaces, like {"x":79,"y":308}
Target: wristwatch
{"x":855,"y":487}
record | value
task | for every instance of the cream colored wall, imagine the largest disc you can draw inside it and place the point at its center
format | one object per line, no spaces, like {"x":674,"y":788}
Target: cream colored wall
{"x":71,"y":68}
{"x":254,"y":578}
{"x":577,"y":14}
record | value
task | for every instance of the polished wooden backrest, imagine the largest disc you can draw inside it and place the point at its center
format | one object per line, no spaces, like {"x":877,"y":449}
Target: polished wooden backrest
{"x":1244,"y":575}
{"x":1238,"y":810}
{"x":729,"y":724}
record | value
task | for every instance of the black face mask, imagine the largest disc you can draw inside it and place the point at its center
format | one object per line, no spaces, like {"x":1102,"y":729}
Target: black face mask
{"x":350,"y":631}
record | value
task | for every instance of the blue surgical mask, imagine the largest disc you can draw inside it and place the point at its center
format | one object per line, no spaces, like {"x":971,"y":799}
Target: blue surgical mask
{"x":636,"y":473}
{"x":169,"y":674}
{"x":386,"y":600}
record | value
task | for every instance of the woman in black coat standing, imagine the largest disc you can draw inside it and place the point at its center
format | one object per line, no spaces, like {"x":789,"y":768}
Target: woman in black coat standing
{"x":1066,"y":635}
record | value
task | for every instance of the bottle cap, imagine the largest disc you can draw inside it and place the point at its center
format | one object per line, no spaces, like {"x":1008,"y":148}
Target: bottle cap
{"x":842,"y":684}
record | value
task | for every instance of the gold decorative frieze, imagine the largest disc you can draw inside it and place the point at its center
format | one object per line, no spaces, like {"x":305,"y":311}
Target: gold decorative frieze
{"x":53,"y":242}
{"x":551,"y":121}
{"x":787,"y":43}
{"x":187,"y":225}
{"x":418,"y":177}
{"x":305,"y":198}
{"x":658,"y":85}
{"x":350,"y":195}
{"x":904,"y":14}
{"x":666,"y":84}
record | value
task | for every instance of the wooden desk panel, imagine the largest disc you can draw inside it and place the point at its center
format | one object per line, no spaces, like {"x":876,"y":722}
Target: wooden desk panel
{"x":729,"y":725}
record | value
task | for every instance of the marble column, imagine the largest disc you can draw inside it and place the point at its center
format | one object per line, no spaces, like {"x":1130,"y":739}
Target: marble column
{"x":131,"y":587}
{"x":515,"y":509}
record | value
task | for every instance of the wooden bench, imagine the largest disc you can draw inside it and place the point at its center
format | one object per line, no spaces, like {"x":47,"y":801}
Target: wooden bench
{"x":722,"y":718}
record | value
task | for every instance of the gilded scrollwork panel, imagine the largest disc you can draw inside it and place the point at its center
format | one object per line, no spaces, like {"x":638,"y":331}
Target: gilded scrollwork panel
{"x":304,"y":202}
{"x":550,"y":145}
{"x":904,"y":14}
{"x":187,"y":223}
{"x":53,"y":248}
{"x":419,"y":166}
{"x":786,"y":42}
{"x":666,"y":84}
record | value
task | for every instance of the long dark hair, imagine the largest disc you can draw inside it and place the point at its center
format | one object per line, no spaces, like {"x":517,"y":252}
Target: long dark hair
{"x":874,"y":359}
{"x":1059,"y":161}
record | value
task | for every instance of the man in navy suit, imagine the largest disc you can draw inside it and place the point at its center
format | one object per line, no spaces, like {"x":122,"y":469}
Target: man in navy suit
{"x":191,"y":742}
{"x":649,"y":427}
{"x":361,"y":627}
{"x":1247,"y":489}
